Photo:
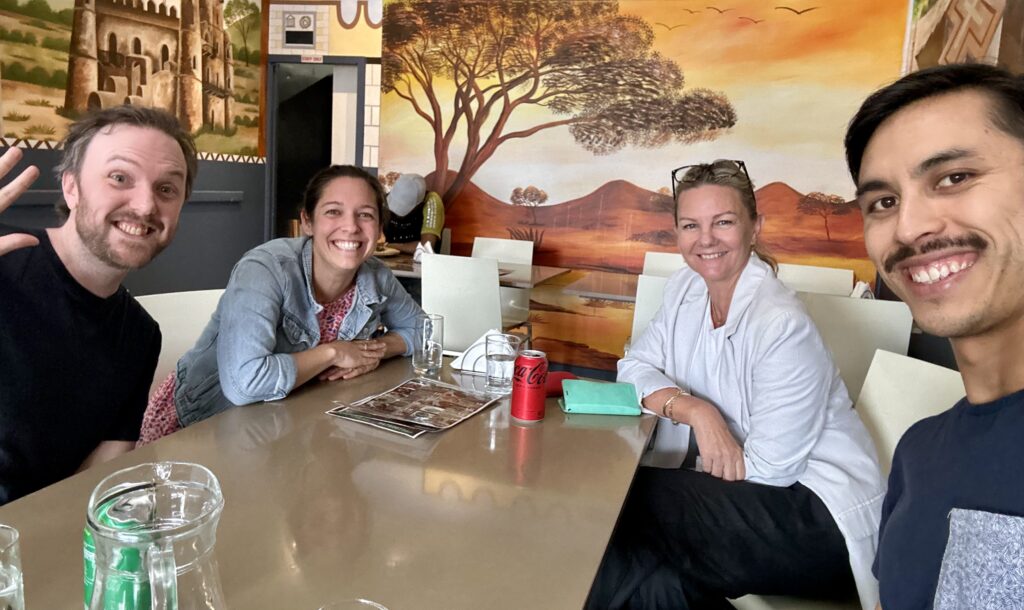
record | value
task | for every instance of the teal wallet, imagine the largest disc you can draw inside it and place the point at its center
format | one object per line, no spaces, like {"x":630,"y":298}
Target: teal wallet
{"x":599,"y":398}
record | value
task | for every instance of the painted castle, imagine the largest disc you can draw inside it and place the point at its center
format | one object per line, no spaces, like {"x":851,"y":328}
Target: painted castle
{"x":139,"y":52}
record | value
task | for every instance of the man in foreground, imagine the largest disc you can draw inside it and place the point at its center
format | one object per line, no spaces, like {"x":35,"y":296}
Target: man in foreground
{"x":938,"y":160}
{"x":78,"y":352}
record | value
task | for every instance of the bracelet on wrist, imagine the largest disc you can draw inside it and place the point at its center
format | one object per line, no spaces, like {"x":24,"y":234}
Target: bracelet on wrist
{"x":666,"y":409}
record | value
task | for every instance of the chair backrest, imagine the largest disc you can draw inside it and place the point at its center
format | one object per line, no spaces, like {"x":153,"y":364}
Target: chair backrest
{"x":504,"y":250}
{"x":900,"y":391}
{"x":662,"y":264}
{"x":823,"y":280}
{"x":854,"y":328}
{"x":465,"y":291}
{"x":649,"y":292}
{"x":182,"y":316}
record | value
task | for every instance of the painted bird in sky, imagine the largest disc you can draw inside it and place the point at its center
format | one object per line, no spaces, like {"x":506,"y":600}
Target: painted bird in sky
{"x":691,"y":11}
{"x":670,"y":28}
{"x":798,"y":12}
{"x":751,"y":19}
{"x":720,"y":11}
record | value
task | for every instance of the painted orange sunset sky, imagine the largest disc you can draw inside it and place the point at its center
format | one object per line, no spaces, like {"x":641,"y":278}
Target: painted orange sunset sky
{"x":794,"y":79}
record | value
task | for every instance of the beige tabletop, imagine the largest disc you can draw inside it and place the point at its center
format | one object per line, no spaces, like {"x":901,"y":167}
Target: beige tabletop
{"x":509,"y":274}
{"x":489,"y":514}
{"x":605,"y":285}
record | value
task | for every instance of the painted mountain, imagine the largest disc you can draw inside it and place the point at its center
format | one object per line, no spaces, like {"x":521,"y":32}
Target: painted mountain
{"x":612,"y":227}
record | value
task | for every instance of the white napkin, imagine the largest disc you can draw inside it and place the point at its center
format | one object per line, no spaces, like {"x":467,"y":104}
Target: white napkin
{"x":421,"y":249}
{"x":862,"y":291}
{"x":474,"y":359}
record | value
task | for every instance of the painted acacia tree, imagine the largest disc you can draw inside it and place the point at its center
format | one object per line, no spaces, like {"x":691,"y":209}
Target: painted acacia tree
{"x":471,"y":66}
{"x":530,"y":197}
{"x":821,"y":204}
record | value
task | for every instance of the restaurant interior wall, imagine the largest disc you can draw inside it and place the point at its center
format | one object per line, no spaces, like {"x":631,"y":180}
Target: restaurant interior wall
{"x":60,"y":58}
{"x":583,"y":171}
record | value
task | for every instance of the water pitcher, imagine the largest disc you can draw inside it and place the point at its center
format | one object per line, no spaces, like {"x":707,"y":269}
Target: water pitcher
{"x":149,"y":540}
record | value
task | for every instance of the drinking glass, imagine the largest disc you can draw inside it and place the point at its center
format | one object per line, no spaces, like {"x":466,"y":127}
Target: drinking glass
{"x":426,"y":357}
{"x":501,"y":356}
{"x":12,"y":595}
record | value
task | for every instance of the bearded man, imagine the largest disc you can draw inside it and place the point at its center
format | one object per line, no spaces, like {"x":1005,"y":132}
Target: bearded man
{"x":78,"y":352}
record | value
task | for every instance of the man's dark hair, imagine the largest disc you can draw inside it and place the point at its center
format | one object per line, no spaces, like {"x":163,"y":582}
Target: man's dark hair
{"x":320,"y":180}
{"x":81,"y":132}
{"x":1006,"y":91}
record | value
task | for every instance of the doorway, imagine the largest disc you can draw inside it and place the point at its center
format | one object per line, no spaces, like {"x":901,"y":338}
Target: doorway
{"x":306,"y":129}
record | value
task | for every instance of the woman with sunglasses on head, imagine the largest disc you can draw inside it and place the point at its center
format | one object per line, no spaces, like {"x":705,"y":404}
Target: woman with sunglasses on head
{"x":295,"y":309}
{"x":784,"y":496}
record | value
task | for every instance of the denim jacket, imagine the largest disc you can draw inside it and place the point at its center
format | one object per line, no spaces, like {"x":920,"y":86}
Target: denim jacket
{"x":267,"y":313}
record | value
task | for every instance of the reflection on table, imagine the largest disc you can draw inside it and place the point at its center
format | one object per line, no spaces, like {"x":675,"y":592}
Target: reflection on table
{"x":488,"y":514}
{"x":509,"y":274}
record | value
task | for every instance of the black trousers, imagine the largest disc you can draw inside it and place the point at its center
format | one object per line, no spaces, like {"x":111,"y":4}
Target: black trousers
{"x":687,"y":541}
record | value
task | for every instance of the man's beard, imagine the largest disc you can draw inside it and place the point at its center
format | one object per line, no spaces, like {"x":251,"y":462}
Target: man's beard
{"x":97,"y":236}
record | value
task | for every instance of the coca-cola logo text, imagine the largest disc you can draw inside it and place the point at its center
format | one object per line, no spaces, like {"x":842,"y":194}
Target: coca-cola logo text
{"x":532,"y":375}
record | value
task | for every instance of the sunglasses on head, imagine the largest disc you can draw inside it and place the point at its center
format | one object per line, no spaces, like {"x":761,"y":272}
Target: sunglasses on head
{"x":719,"y":168}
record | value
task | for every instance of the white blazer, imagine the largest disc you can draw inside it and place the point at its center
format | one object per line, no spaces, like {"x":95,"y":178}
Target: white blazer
{"x":771,"y":376}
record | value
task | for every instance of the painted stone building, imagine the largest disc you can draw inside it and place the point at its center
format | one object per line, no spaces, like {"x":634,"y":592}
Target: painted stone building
{"x":167,"y":55}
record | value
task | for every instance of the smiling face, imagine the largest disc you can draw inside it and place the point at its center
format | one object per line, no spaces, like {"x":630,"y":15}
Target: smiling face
{"x":126,"y":199}
{"x":715,"y":232}
{"x":942,"y":193}
{"x":345,"y":226}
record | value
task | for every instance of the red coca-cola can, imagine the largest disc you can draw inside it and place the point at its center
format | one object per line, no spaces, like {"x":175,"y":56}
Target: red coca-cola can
{"x":529,"y":385}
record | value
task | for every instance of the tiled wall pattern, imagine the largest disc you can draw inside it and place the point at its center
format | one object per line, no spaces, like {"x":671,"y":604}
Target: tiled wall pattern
{"x":276,"y":28}
{"x":371,"y":116}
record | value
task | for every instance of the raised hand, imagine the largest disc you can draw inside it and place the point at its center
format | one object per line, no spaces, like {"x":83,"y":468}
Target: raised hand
{"x":10,"y":192}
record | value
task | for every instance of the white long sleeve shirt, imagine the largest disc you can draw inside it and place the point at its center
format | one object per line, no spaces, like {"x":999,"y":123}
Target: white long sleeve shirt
{"x":772,"y":378}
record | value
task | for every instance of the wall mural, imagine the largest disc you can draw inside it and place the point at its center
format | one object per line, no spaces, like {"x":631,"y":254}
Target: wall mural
{"x":559,"y":122}
{"x":950,"y":31}
{"x":198,"y":59}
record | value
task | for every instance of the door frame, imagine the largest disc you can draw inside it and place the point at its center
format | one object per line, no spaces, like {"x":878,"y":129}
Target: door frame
{"x":271,"y":115}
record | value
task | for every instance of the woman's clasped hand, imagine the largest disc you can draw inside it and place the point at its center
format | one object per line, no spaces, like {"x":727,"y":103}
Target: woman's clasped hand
{"x":354,"y":358}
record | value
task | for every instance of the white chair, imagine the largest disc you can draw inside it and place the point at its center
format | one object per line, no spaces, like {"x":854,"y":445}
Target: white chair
{"x":504,"y":250}
{"x":515,"y":302}
{"x":778,"y":602}
{"x":663,"y":264}
{"x":649,"y":292}
{"x":854,"y":328}
{"x":465,"y":291}
{"x":823,"y":280}
{"x":900,"y":391}
{"x":182,"y":316}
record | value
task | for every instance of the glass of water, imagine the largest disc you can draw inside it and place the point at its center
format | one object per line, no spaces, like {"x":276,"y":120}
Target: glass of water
{"x":501,"y":357}
{"x":426,"y":356}
{"x":12,"y":594}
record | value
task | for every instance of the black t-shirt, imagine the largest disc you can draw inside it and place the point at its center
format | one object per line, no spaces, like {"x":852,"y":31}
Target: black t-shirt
{"x":75,"y":369}
{"x":404,"y":229}
{"x":970,"y":457}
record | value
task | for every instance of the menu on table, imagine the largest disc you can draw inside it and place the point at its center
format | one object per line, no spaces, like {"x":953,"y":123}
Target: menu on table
{"x":415,"y":407}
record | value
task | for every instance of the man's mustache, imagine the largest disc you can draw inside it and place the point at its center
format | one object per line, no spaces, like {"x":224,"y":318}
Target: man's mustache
{"x":969,"y":240}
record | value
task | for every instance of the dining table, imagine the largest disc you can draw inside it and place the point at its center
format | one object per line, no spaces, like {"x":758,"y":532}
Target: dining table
{"x":515,"y":275}
{"x":605,"y":285}
{"x":492,"y":513}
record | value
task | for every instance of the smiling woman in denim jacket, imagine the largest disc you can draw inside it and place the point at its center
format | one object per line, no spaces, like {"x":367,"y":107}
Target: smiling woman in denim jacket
{"x":294,"y":309}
